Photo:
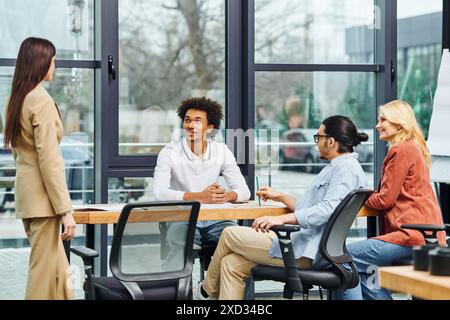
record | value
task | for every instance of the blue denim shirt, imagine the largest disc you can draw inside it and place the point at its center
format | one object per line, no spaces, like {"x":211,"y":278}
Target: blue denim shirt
{"x":331,"y":185}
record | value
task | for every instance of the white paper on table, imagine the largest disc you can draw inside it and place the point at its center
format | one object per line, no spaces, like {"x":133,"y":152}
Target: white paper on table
{"x":226,"y":205}
{"x":249,"y":204}
{"x":439,"y":132}
{"x":98,"y":207}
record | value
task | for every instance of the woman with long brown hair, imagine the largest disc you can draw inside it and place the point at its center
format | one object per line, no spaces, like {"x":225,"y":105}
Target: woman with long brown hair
{"x":34,"y":130}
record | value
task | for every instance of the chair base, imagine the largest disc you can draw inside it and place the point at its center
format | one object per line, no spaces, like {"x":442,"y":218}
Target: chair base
{"x":110,"y":288}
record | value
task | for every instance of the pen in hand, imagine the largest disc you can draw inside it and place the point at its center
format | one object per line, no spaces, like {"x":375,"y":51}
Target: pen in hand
{"x":257,"y":188}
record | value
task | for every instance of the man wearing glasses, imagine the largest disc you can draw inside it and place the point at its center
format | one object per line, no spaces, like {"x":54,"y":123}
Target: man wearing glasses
{"x":241,"y":248}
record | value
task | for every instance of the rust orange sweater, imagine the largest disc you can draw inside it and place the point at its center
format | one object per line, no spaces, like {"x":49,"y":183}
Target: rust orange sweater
{"x":405,"y":195}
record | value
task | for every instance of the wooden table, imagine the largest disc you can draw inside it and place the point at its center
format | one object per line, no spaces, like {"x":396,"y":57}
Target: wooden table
{"x":245,"y":211}
{"x":420,"y":284}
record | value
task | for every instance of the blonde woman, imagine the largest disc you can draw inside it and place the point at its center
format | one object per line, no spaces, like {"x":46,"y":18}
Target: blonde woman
{"x":34,"y":131}
{"x":404,"y":195}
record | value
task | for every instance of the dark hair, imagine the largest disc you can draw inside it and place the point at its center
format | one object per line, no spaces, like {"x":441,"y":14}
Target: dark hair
{"x":344,"y":131}
{"x":32,"y":65}
{"x":212,"y":108}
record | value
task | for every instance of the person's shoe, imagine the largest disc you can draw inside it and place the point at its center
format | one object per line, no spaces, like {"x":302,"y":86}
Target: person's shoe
{"x":197,"y":293}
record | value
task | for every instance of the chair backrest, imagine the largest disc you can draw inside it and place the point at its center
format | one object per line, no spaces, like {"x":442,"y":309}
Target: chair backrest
{"x":332,"y":245}
{"x":135,"y":251}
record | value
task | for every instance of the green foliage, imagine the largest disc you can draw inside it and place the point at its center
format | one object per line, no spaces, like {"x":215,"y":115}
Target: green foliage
{"x":359,"y":107}
{"x":314,"y":114}
{"x":418,"y":90}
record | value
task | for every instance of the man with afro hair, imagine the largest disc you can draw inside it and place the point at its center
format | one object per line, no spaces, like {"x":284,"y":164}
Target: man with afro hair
{"x":189,"y":169}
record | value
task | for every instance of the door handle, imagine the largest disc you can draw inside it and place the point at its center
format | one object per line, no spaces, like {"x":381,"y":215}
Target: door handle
{"x":393,"y":72}
{"x":111,"y":67}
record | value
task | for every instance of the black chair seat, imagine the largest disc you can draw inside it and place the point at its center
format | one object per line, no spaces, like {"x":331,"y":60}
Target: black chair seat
{"x":206,"y":252}
{"x":326,"y":279}
{"x":332,"y":248}
{"x":109,"y":288}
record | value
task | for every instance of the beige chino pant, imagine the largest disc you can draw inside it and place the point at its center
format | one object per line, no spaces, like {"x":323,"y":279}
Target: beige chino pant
{"x":238,"y":251}
{"x":48,"y":276}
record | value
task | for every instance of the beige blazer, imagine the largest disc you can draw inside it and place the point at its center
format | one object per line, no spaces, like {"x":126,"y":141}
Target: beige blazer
{"x":40,"y":186}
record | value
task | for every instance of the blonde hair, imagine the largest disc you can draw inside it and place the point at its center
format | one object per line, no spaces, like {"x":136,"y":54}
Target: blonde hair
{"x":400,"y":113}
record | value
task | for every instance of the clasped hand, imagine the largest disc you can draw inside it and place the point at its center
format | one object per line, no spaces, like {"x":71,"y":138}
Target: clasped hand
{"x":214,"y":193}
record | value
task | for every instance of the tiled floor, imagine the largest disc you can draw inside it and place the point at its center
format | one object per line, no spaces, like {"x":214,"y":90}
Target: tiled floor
{"x":14,"y":268}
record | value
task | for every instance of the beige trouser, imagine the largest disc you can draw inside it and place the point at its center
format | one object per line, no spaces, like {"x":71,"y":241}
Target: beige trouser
{"x":238,"y":251}
{"x":49,"y":276}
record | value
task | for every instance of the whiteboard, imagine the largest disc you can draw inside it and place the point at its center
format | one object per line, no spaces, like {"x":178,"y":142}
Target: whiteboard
{"x":440,"y":169}
{"x":439,"y":132}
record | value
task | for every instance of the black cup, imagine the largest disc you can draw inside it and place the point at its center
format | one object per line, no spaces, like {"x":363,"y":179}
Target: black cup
{"x":439,"y":261}
{"x":420,"y":257}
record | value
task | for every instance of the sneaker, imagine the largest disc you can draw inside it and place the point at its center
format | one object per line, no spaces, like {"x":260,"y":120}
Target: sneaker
{"x":197,"y":293}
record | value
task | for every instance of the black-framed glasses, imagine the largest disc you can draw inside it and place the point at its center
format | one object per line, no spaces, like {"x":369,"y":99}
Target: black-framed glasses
{"x":317,"y":137}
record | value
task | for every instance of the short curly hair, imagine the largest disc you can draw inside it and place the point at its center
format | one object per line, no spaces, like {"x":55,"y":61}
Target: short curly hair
{"x":212,"y":108}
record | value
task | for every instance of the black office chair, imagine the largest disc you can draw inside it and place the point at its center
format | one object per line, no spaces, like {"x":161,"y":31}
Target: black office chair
{"x":430,"y":239}
{"x":332,"y":248}
{"x":137,"y":271}
{"x":204,"y":255}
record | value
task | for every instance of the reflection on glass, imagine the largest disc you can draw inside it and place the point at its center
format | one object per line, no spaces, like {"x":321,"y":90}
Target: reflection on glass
{"x":154,"y":247}
{"x":325,"y":31}
{"x":419,"y":33}
{"x":127,"y":190}
{"x":167,"y":54}
{"x":68,"y":24}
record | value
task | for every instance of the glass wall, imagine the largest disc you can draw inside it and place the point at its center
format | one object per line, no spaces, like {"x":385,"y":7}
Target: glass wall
{"x":125,"y":190}
{"x":68,"y":24}
{"x":290,"y":105}
{"x":319,"y":32}
{"x":419,"y":50}
{"x":167,"y":54}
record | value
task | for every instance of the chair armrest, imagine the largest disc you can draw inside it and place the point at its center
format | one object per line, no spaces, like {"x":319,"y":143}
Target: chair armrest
{"x":84,"y":253}
{"x":286,"y":228}
{"x":88,"y":256}
{"x":284,"y":237}
{"x":293,"y":282}
{"x":284,"y":240}
{"x":425,"y":227}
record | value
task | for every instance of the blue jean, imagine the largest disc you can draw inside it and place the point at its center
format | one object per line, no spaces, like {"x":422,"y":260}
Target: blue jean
{"x":210,"y":230}
{"x":367,"y":256}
